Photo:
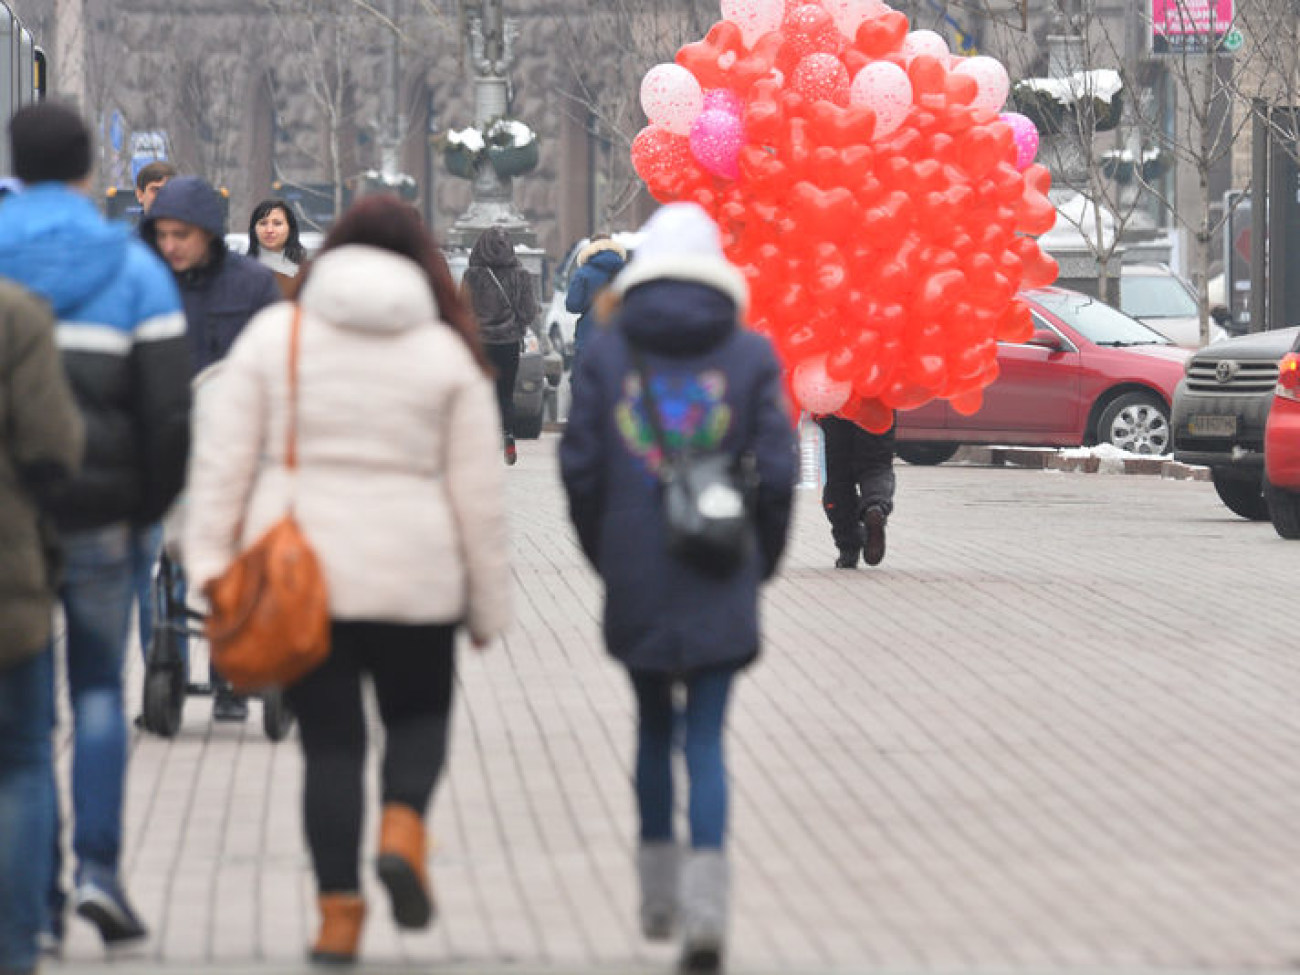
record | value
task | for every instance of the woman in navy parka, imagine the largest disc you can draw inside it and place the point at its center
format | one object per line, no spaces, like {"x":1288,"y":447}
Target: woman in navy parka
{"x":718,"y":387}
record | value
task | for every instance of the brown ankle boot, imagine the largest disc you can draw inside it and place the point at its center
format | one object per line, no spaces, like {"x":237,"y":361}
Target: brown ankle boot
{"x":341,"y":918}
{"x":401,"y":866}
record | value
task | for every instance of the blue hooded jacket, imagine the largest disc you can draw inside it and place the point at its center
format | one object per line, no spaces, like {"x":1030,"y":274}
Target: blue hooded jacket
{"x":719,"y":388}
{"x":122,"y":337}
{"x":598,"y":263}
{"x":224,"y":292}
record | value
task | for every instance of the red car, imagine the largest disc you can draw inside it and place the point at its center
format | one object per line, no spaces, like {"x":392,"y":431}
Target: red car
{"x":1282,"y":449}
{"x":1089,"y":375}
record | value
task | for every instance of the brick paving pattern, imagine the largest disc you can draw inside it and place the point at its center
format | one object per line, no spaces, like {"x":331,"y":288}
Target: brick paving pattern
{"x":1056,"y":730}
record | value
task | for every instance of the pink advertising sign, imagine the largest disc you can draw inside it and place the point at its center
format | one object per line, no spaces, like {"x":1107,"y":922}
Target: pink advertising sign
{"x":1186,"y":25}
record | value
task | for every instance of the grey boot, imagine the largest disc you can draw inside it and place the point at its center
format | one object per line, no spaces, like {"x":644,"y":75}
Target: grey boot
{"x":657,"y":866}
{"x":706,"y":888}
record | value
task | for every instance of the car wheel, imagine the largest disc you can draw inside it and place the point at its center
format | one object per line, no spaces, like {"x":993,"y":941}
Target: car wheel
{"x":1137,"y":423}
{"x":528,"y":426}
{"x":926,"y":454}
{"x":1283,"y":510}
{"x":557,"y":343}
{"x":1242,"y":493}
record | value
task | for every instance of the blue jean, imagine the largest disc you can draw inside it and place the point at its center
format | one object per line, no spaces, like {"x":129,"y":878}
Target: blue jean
{"x":701,"y":722}
{"x":96,"y":594}
{"x":27,"y":806}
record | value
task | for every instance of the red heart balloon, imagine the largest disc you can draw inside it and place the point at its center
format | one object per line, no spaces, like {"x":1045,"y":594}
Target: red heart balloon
{"x":878,"y":36}
{"x":705,"y":59}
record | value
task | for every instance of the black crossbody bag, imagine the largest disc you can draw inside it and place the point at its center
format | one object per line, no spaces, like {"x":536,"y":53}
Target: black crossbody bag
{"x":707,"y":495}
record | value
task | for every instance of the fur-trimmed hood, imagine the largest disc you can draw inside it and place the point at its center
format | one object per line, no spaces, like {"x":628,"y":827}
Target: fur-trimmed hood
{"x":601,"y":246}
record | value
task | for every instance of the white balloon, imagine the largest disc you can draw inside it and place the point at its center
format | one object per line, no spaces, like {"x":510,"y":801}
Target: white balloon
{"x":993,"y":85}
{"x":883,"y":87}
{"x":817,"y":392}
{"x":754,"y":17}
{"x":925,"y":42}
{"x":671,"y":97}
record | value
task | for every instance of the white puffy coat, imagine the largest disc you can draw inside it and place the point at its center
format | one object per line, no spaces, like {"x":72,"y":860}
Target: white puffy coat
{"x":400,"y":484}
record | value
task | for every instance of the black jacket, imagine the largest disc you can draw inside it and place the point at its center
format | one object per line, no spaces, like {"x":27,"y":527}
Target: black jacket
{"x":221,"y":295}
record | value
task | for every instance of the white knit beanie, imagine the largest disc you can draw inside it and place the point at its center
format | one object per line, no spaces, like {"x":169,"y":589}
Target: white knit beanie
{"x":681,"y":243}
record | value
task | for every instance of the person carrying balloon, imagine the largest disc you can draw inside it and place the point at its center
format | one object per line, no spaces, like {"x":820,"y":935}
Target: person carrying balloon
{"x":676,"y":374}
{"x":858,"y":496}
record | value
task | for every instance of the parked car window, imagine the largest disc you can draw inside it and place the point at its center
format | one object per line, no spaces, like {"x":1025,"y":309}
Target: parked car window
{"x":1156,"y":297}
{"x":1099,"y":323}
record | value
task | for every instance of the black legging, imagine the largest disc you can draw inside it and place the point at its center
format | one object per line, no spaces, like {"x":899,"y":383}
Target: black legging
{"x":505,"y":360}
{"x":412,"y":668}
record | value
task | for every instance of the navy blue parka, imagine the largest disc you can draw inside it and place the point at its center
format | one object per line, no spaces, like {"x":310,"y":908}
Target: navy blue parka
{"x":222,"y":294}
{"x":719,"y":387}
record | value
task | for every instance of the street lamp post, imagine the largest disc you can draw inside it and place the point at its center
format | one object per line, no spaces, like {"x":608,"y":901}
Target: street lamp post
{"x":491,"y":37}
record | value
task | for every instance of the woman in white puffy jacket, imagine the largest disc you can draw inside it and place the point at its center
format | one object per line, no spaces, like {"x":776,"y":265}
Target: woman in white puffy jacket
{"x":399,"y":489}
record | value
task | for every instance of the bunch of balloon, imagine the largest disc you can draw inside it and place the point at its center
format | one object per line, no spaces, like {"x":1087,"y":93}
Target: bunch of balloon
{"x":881,"y":207}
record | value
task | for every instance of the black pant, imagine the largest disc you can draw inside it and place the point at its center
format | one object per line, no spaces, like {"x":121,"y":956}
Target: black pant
{"x":859,"y":475}
{"x":505,"y":360}
{"x":412,"y":668}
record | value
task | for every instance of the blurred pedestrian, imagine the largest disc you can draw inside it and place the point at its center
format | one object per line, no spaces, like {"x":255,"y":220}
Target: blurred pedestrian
{"x":41,"y":438}
{"x":858,"y":496}
{"x":502,"y":296}
{"x":400,"y":491}
{"x":146,"y":540}
{"x":717,"y":387}
{"x":151,"y":178}
{"x":273,"y":240}
{"x":221,"y":290}
{"x":122,"y":337}
{"x":597,"y":264}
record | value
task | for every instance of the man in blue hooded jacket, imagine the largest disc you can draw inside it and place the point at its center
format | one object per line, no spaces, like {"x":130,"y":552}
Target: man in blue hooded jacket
{"x":221,"y":290}
{"x":121,"y":336}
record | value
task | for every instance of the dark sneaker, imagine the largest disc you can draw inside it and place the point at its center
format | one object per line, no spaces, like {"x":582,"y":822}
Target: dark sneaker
{"x":229,"y":707}
{"x":873,"y":549}
{"x":512,"y":455}
{"x":103,"y":903}
{"x":848,"y":559}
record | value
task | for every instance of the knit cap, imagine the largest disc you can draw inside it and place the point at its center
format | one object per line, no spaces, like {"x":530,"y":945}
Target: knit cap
{"x":680,"y":242}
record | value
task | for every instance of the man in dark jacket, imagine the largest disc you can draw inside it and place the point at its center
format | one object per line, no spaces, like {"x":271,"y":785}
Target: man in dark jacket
{"x":41,"y":438}
{"x":122,"y":337}
{"x":717,"y":389}
{"x":222,"y":290}
{"x":597,"y":263}
{"x":858,"y":497}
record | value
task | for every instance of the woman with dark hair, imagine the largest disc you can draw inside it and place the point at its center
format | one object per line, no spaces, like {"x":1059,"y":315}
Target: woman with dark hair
{"x":399,"y":488}
{"x":501,"y":293}
{"x":273,"y":240}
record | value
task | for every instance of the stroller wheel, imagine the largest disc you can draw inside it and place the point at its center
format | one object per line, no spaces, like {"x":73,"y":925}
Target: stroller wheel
{"x":164,"y":696}
{"x":277,"y":719}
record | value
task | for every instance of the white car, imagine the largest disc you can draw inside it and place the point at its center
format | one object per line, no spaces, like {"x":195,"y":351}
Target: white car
{"x":1164,"y":302}
{"x":560,"y":323}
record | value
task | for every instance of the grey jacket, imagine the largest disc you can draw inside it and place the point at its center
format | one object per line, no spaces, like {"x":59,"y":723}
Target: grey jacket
{"x":499,"y":289}
{"x":41,"y":441}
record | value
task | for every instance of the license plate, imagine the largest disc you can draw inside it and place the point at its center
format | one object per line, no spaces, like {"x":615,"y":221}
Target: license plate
{"x":1212,"y":426}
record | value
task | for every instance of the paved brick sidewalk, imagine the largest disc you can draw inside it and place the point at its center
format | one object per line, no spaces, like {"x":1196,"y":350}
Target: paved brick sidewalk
{"x":1056,"y":730}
